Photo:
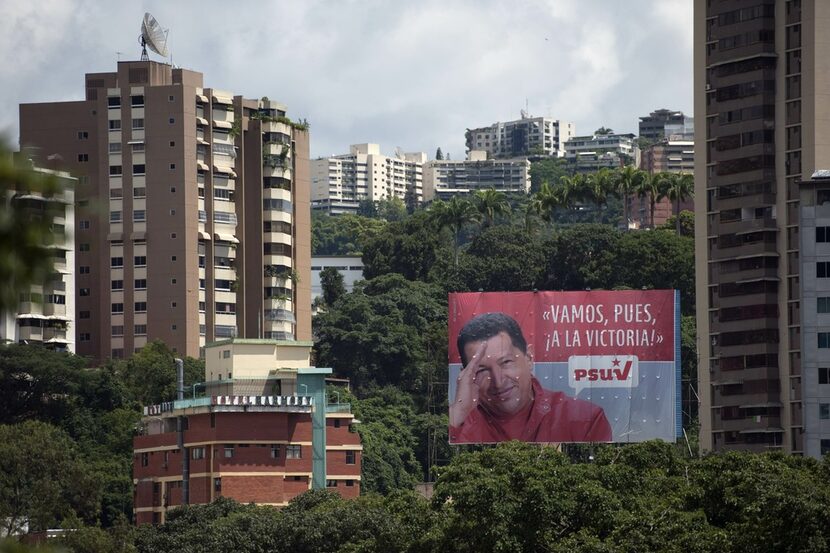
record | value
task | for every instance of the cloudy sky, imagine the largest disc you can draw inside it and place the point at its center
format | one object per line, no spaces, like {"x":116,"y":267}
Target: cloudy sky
{"x":409,"y":74}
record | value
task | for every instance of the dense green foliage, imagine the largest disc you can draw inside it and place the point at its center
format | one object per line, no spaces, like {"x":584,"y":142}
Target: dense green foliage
{"x":514,"y":497}
{"x":79,"y":423}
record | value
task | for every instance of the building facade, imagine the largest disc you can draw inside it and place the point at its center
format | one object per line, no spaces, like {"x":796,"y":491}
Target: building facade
{"x":522,"y":137}
{"x":46,"y":312}
{"x":444,"y":179}
{"x":592,"y":152}
{"x":340,"y":183}
{"x":264,"y":434}
{"x":814,"y":255}
{"x":193,"y":221}
{"x":664,"y":124}
{"x":759,"y":80}
{"x":665,"y":156}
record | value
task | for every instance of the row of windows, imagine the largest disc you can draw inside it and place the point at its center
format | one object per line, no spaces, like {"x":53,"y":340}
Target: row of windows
{"x":139,"y":306}
{"x":117,"y":170}
{"x":138,"y":261}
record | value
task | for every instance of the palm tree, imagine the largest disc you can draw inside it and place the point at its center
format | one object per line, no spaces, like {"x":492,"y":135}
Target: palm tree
{"x":454,"y":215}
{"x":626,"y":181}
{"x":649,"y":187}
{"x":490,"y":204}
{"x":681,"y":187}
{"x":546,"y":200}
{"x":599,"y":185}
{"x":532,"y":210}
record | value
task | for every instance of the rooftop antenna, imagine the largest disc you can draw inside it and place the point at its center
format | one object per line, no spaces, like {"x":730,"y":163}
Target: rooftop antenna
{"x":154,"y":36}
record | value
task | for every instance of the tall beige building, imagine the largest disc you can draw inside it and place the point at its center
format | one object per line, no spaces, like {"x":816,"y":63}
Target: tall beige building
{"x":762,"y":86}
{"x":193,"y":217}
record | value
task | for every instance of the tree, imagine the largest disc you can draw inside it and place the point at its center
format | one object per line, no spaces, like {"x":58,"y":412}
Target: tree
{"x":626,"y":182}
{"x":503,"y":258}
{"x":454,"y":215}
{"x":649,"y":188}
{"x":599,"y":185}
{"x":42,"y":480}
{"x":439,"y":155}
{"x":384,"y":332}
{"x":604,"y":131}
{"x":342,"y":234}
{"x":26,"y":226}
{"x":576,"y":257}
{"x":547,"y":170}
{"x":331,"y":281}
{"x":150,"y":374}
{"x":409,"y":247}
{"x":490,"y":204}
{"x":681,"y":187}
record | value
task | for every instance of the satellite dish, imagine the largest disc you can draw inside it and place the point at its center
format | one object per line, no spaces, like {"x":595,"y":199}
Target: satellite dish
{"x":154,"y":36}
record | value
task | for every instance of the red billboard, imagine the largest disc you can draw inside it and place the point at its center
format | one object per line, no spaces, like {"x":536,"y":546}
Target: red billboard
{"x":592,"y":366}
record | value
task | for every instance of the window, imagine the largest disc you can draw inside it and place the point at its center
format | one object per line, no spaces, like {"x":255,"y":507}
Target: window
{"x":117,"y":285}
{"x":140,"y":284}
{"x":275,"y":451}
{"x":140,"y":306}
{"x":823,"y":269}
{"x":337,"y":423}
{"x":824,"y":411}
{"x":117,"y":308}
{"x":824,"y":375}
{"x":197,"y":453}
{"x":139,"y":192}
{"x":226,"y":354}
{"x":138,"y":169}
{"x":83,"y":314}
{"x":83,"y":269}
{"x":825,"y":447}
{"x":824,"y":339}
{"x":115,"y":147}
{"x":116,"y":262}
{"x":83,"y":135}
{"x":137,"y":148}
{"x":84,"y":337}
{"x":350,"y":457}
{"x":83,"y":292}
{"x":140,"y":330}
{"x":114,"y":102}
{"x":83,"y":158}
{"x":145,"y":459}
{"x":331,"y":483}
{"x":171,"y":98}
{"x":293,"y":452}
{"x":116,"y":193}
{"x":115,"y":170}
{"x":217,"y":484}
{"x":139,"y":215}
{"x":138,"y":124}
{"x":349,"y":483}
{"x":140,"y":260}
{"x":83,"y":225}
{"x":228,"y":451}
{"x":172,"y":166}
{"x":137,"y":101}
{"x":171,"y":120}
{"x":115,"y":216}
{"x":115,"y":124}
{"x":117,"y":330}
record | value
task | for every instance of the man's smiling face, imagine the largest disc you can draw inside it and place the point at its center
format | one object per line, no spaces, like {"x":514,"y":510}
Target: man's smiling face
{"x":503,"y":377}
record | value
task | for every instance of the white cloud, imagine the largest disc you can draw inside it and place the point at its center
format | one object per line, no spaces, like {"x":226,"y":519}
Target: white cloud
{"x":408,"y":74}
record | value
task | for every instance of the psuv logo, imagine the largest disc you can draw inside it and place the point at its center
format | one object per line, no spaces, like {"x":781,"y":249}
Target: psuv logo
{"x":602,"y":371}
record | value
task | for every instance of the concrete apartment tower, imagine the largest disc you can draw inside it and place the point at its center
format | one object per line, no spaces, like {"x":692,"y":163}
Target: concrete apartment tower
{"x":193,"y":217}
{"x":761,"y":86}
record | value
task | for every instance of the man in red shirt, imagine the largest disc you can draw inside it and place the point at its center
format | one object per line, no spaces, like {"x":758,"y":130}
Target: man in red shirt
{"x":497,"y":397}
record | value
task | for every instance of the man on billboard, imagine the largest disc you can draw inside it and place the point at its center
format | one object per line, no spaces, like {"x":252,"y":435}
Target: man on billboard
{"x":498,"y":398}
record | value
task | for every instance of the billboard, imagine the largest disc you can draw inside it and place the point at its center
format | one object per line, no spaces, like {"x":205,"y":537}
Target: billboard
{"x":591,"y":366}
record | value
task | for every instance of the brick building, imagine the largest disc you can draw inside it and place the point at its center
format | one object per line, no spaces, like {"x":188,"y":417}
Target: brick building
{"x":264,"y":434}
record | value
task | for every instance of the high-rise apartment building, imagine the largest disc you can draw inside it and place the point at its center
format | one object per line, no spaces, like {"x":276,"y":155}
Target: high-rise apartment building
{"x":446,"y":178}
{"x":525,"y":136}
{"x":46,"y":312}
{"x":665,"y":123}
{"x":339,"y":183}
{"x":667,"y":155}
{"x":193,"y":220}
{"x":760,"y":82}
